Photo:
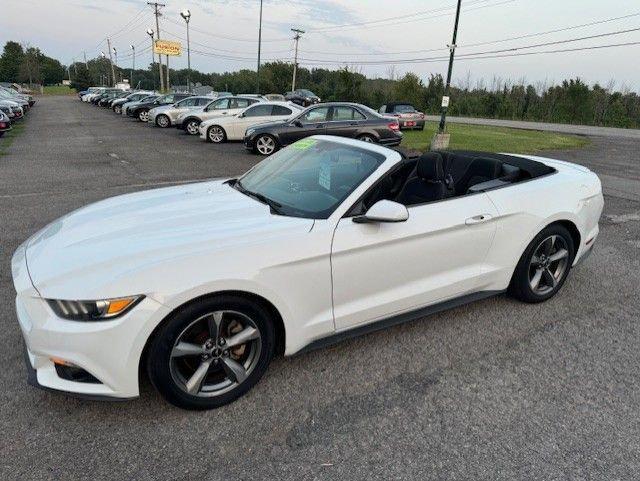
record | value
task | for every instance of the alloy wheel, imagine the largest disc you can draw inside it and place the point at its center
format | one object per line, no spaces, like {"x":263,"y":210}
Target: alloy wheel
{"x":265,"y":145}
{"x":192,"y":127}
{"x":548,"y":264}
{"x":144,"y":116}
{"x":117,"y":109}
{"x":215,"y":353}
{"x":367,"y":138}
{"x":216,"y":134}
{"x":163,"y":121}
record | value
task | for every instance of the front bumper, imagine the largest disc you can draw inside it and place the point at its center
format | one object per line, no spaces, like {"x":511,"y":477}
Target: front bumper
{"x":110,"y":351}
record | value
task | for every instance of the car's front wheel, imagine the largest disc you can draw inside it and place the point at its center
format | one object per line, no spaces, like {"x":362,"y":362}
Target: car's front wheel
{"x":544,"y":265}
{"x":216,"y":134}
{"x":143,"y":116}
{"x":163,"y":121}
{"x":367,"y":138}
{"x":265,"y":144}
{"x":210,"y":352}
{"x":117,"y":109}
{"x":192,"y":127}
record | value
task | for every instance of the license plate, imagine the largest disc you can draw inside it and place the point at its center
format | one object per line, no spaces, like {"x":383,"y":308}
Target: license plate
{"x":410,"y":124}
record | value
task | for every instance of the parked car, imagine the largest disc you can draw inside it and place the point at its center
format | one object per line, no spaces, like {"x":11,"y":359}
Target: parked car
{"x":11,"y":109}
{"x":202,"y":284}
{"x":337,"y":118}
{"x":407,"y":115}
{"x":233,"y":127}
{"x":5,"y":123}
{"x":275,"y":97}
{"x":166,"y":115}
{"x":302,"y":97}
{"x":141,"y":110}
{"x":117,"y":104}
{"x":190,"y":121}
{"x":132,"y":105}
{"x":29,"y":99}
{"x":19,"y":100}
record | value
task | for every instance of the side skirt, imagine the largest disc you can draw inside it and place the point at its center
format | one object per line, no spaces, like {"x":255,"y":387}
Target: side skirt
{"x":394,"y":320}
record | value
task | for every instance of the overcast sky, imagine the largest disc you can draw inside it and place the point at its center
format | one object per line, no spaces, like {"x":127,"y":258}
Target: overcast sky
{"x":224,"y":34}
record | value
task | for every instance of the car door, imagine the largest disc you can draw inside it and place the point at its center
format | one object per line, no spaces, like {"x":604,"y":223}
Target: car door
{"x":384,"y":269}
{"x":215,"y":109}
{"x":345,"y":121}
{"x":254,"y":115}
{"x":312,"y":122}
{"x":185,"y":105}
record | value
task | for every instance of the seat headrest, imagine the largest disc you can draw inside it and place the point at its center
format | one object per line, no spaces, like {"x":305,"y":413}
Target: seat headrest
{"x":430,"y":166}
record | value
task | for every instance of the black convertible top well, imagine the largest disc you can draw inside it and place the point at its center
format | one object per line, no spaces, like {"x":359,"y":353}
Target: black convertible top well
{"x":533,"y":167}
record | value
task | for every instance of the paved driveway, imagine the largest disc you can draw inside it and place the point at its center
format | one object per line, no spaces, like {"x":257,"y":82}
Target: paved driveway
{"x":493,"y":390}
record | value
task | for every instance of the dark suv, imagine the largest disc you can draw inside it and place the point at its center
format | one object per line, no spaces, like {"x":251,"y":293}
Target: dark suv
{"x":141,"y":110}
{"x":337,"y":118}
{"x":302,"y":97}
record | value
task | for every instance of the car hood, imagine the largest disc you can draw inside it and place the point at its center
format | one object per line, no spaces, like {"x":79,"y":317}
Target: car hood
{"x":89,"y":252}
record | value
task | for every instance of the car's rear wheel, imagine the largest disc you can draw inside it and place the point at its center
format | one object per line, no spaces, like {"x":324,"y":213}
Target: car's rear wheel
{"x":266,"y":144}
{"x":216,"y":134}
{"x":192,"y":127}
{"x":163,"y":121}
{"x":367,"y":138}
{"x":544,"y":265}
{"x":211,"y":352}
{"x":143,"y":116}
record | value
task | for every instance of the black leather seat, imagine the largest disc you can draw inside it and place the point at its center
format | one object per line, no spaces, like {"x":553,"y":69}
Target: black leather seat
{"x":480,"y":170}
{"x":428,"y":184}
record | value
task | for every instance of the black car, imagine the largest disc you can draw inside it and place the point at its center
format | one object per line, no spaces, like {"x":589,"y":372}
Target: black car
{"x":339,"y":118}
{"x":141,"y":110}
{"x":302,"y":97}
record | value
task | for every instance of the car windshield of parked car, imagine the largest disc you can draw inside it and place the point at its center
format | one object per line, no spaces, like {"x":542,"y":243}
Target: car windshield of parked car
{"x":404,"y":109}
{"x":310,"y":178}
{"x":307,"y":93}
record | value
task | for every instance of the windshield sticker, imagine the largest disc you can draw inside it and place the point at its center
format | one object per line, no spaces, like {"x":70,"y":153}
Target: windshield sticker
{"x":304,"y":144}
{"x":324,"y":177}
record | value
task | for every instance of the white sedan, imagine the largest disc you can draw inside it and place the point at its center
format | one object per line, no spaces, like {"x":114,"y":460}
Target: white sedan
{"x":201,"y":285}
{"x":221,"y":129}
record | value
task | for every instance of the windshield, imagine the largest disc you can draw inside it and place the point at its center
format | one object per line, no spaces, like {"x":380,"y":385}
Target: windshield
{"x":310,"y":178}
{"x":308,"y":93}
{"x":404,"y":109}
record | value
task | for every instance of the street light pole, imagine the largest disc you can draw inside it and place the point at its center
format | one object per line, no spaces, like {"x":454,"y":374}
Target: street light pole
{"x":133,"y":64}
{"x":298,"y":33}
{"x":186,"y":14}
{"x":115,"y":53}
{"x":153,"y":59}
{"x":259,"y":48}
{"x":452,"y":50}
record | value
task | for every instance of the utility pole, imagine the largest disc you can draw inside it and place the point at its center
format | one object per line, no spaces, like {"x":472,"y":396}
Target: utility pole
{"x":186,"y":14}
{"x":133,"y":64}
{"x":259,"y":48}
{"x":156,"y":7}
{"x":298,"y":33}
{"x":150,"y":33}
{"x":113,"y":72}
{"x":115,"y":53}
{"x":452,"y":50}
{"x":86,"y":64}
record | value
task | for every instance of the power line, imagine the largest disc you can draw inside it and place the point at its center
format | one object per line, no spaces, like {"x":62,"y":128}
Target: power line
{"x":235,"y":39}
{"x":512,"y":49}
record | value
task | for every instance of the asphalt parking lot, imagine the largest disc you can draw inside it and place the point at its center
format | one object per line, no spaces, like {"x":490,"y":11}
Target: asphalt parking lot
{"x":492,"y":390}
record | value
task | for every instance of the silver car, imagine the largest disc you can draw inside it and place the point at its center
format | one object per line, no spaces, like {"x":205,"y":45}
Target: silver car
{"x":166,"y":115}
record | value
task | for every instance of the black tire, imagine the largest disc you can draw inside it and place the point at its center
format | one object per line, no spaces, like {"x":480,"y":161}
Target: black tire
{"x":142,"y":115}
{"x":188,"y":126}
{"x":520,"y":286}
{"x":1,"y":134}
{"x":117,"y":109}
{"x":367,"y":138}
{"x":160,"y":349}
{"x":163,"y":121}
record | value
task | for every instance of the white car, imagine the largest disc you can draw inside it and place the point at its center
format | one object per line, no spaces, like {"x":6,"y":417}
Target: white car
{"x":201,"y":284}
{"x":220,"y":107}
{"x":233,"y":127}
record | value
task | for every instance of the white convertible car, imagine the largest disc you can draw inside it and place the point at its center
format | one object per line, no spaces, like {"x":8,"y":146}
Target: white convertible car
{"x":201,"y":284}
{"x":233,"y":127}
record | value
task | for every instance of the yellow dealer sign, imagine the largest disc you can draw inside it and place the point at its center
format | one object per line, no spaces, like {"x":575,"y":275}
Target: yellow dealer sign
{"x":166,"y":47}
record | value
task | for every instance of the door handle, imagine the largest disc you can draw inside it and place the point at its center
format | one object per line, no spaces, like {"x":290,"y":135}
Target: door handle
{"x":478,"y":219}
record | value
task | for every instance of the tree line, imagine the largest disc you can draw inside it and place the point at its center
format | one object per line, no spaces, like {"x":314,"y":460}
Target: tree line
{"x":571,"y":101}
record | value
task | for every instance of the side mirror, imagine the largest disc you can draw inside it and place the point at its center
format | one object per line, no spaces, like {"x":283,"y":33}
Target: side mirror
{"x":384,"y":211}
{"x":241,"y":116}
{"x":297,"y":123}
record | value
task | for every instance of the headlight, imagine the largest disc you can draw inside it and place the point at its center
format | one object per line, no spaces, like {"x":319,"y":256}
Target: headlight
{"x":93,"y":310}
